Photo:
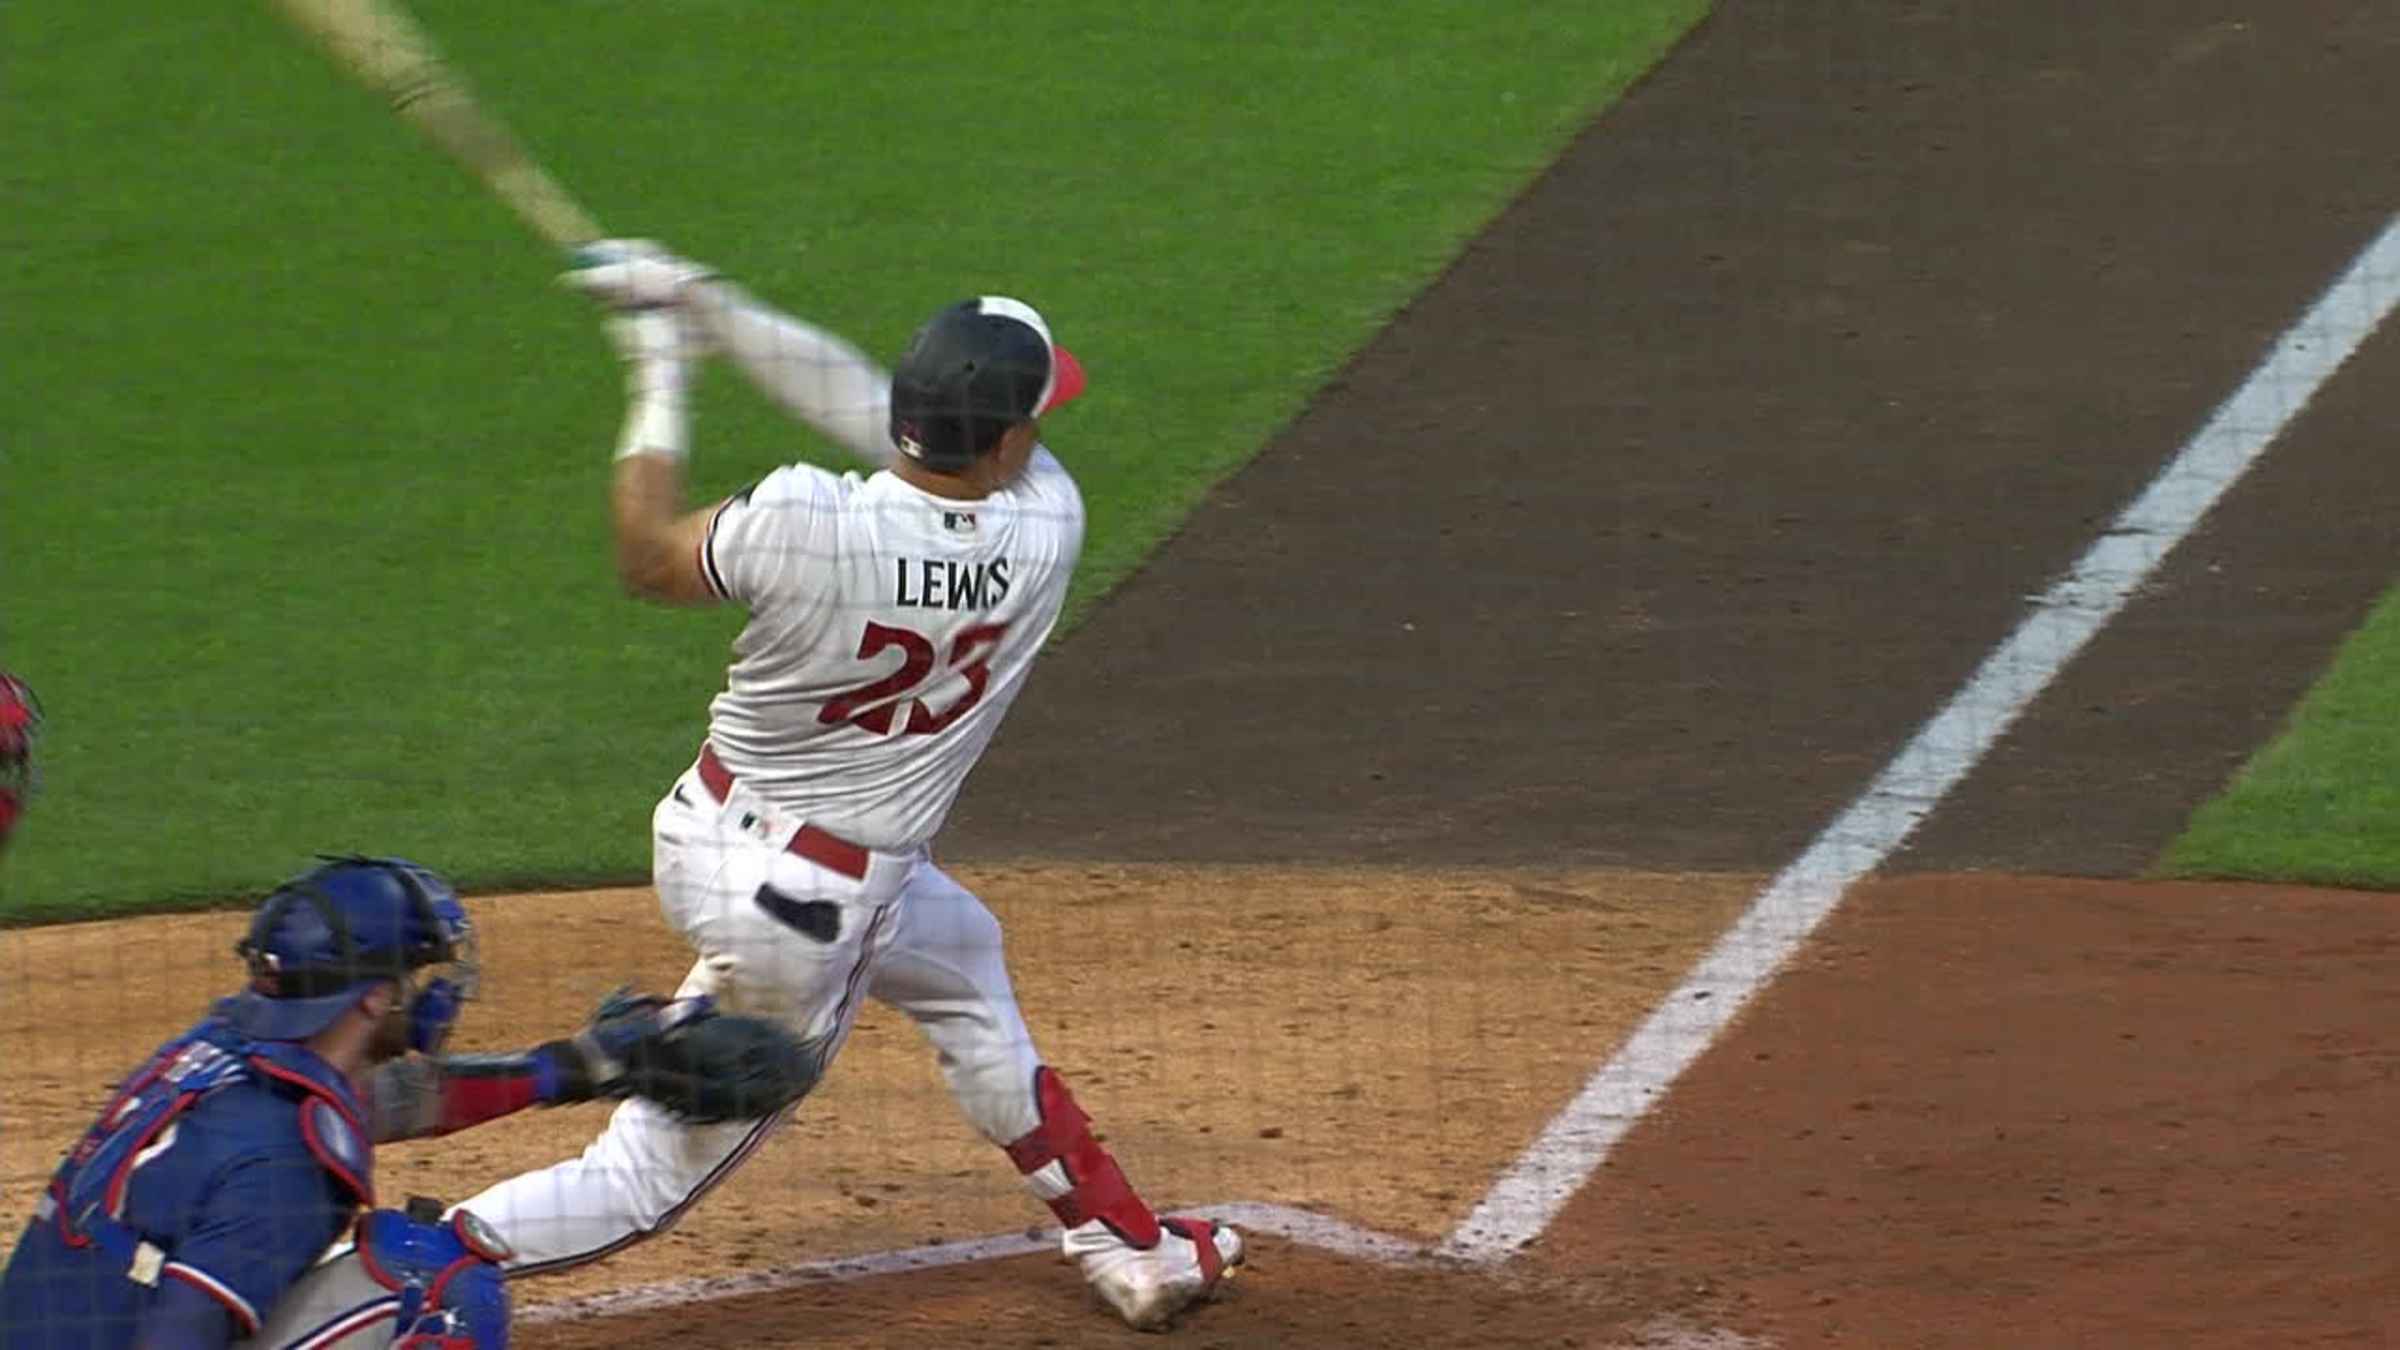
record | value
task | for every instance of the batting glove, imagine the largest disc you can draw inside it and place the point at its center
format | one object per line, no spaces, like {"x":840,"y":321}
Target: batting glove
{"x":631,"y":274}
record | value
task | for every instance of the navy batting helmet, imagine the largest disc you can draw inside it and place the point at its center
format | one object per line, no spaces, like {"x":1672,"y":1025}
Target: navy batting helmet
{"x":321,"y":939}
{"x":974,"y":370}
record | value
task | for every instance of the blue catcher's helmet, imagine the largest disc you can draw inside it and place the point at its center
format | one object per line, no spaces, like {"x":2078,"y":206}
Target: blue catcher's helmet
{"x":322,"y":938}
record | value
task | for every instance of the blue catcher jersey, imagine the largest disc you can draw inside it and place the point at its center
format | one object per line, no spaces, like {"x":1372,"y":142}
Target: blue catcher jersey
{"x":223,"y":1163}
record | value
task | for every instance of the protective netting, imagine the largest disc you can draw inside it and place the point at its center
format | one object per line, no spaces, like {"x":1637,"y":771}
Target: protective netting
{"x":1523,"y":570}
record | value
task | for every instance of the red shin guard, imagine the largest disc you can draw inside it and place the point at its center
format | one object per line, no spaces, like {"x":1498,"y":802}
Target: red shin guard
{"x":1096,"y":1187}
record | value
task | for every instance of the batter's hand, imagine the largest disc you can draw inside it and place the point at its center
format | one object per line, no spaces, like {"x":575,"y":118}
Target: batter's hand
{"x":632,"y":274}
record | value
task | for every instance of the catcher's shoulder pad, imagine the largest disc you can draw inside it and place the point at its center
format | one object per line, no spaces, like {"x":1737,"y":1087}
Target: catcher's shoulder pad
{"x":267,"y":1081}
{"x":331,"y":1123}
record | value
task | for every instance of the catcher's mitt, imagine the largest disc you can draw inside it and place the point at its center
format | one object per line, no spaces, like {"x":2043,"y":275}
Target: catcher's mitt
{"x":702,"y":1065}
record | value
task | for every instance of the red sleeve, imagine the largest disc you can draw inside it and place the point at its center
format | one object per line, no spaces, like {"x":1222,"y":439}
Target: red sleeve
{"x":419,"y":1098}
{"x":473,"y":1098}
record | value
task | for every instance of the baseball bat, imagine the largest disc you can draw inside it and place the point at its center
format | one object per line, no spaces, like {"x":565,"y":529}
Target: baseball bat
{"x":377,"y":43}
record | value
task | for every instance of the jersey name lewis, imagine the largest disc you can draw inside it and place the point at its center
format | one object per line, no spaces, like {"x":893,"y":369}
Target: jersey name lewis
{"x":938,"y":583}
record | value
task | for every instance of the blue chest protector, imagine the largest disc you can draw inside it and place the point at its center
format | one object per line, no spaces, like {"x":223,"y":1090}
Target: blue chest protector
{"x":206,"y":1102}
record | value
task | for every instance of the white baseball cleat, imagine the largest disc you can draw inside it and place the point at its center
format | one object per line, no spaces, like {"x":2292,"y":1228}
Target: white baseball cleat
{"x":1188,"y":1264}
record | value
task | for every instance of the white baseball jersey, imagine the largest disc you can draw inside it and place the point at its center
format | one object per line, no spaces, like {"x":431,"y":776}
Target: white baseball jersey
{"x":889,"y":631}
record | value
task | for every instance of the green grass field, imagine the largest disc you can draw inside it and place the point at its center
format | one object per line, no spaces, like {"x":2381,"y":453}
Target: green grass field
{"x":2320,"y":804}
{"x":302,"y":530}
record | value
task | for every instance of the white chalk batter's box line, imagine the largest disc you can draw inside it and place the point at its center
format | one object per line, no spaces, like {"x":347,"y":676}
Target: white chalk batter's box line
{"x":1299,"y":1226}
{"x":1296,"y":1225}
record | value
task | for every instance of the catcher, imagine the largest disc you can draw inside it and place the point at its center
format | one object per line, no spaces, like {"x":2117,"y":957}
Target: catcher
{"x":199,"y":1209}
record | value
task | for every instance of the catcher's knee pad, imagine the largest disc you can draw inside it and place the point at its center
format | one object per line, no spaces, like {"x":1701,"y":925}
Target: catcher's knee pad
{"x":446,"y":1273}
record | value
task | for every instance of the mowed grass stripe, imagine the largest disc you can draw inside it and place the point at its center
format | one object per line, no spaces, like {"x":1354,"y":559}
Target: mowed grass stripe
{"x":300,"y":516}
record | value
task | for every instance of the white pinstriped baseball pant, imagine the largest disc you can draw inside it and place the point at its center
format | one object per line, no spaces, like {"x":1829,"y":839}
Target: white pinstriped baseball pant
{"x":905,"y":934}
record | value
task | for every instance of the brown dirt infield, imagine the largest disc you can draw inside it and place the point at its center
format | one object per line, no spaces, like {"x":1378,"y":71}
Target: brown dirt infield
{"x":1978,"y":1109}
{"x":2024,"y":1111}
{"x":1319,"y":1024}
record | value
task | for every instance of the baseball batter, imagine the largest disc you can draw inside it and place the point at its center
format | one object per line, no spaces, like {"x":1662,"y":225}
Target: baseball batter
{"x":893,"y":619}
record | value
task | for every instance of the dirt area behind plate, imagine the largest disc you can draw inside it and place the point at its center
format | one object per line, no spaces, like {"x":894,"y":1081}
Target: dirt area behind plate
{"x":1362,"y":1041}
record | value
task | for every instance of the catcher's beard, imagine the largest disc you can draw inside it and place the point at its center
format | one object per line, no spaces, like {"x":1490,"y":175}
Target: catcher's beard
{"x":390,"y":1040}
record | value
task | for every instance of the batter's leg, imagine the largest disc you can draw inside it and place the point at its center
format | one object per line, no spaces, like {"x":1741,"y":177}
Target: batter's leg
{"x":800,"y":957}
{"x":946,"y":968}
{"x":638,"y":1179}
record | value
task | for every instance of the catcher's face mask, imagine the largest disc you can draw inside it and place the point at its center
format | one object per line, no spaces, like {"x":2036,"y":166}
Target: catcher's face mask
{"x":322,"y":940}
{"x":449,"y":986}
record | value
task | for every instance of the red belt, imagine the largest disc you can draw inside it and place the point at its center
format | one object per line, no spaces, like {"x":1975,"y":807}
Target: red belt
{"x":829,"y":851}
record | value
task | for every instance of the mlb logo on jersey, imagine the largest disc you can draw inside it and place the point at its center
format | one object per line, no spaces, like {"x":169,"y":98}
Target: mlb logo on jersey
{"x":959,"y":522}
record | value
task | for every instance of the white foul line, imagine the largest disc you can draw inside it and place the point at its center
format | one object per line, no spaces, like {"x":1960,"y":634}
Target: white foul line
{"x":1522,"y":1203}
